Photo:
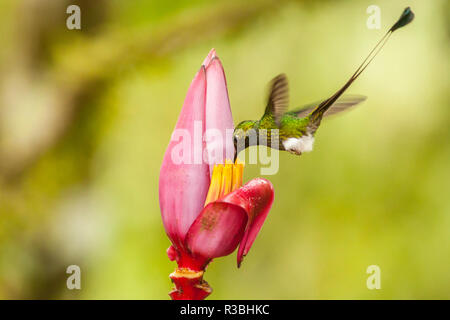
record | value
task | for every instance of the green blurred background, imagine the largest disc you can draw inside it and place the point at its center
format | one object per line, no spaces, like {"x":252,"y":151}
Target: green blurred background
{"x":86,"y":115}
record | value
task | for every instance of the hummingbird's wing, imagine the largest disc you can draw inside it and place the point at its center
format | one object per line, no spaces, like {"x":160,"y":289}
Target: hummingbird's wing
{"x":342,"y":104}
{"x":278,"y":100}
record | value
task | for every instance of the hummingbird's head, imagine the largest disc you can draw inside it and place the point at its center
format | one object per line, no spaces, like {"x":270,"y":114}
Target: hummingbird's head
{"x":245,"y":135}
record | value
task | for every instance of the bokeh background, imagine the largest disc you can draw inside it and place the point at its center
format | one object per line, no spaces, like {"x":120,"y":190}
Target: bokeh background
{"x":86,"y":115}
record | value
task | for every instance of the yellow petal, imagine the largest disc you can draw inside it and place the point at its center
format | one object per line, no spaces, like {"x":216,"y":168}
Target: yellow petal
{"x":238,"y":172}
{"x":225,"y":178}
{"x":216,"y":183}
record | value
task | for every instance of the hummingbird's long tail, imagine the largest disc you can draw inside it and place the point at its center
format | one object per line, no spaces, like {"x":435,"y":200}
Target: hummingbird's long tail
{"x":316,"y":115}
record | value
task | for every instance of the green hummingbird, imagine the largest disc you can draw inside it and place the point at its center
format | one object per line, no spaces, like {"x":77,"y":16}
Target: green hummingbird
{"x":296,"y":128}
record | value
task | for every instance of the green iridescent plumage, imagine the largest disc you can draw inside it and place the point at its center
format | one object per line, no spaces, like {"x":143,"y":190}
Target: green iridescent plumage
{"x":279,"y":124}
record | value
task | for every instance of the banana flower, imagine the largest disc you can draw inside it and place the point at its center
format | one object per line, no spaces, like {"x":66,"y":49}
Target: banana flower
{"x":206,"y":211}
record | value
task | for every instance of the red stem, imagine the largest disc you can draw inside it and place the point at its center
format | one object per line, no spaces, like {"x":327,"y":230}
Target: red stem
{"x":189,"y":285}
{"x":188,"y":277}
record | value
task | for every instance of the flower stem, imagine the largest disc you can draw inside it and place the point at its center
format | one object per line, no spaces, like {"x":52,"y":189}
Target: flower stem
{"x":189,"y":285}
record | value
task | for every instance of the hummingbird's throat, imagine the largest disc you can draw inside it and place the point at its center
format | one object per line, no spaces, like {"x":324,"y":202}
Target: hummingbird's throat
{"x":225,"y":179}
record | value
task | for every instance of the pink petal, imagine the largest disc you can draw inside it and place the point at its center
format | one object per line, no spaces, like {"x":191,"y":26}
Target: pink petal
{"x":218,"y":115}
{"x":183,"y":186}
{"x":256,"y":199}
{"x":172,"y":253}
{"x":217,"y":230}
{"x":209,"y":57}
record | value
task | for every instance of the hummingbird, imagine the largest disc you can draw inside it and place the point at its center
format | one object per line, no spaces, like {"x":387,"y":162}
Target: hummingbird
{"x":296,"y":128}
